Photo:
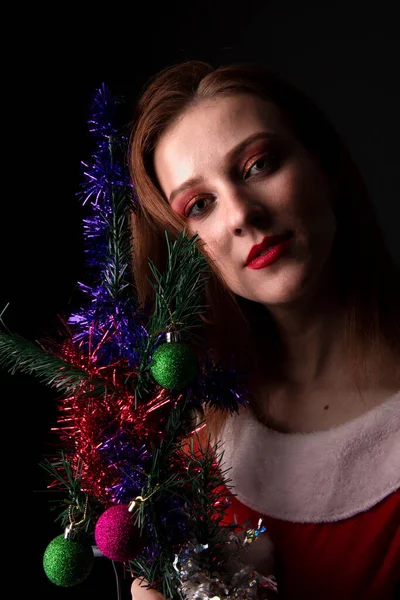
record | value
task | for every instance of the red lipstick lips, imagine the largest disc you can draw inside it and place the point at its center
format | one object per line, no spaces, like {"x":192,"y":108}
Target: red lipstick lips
{"x":270,"y":249}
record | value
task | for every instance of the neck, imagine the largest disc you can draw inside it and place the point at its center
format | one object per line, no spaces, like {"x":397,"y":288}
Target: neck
{"x":311,"y":334}
{"x":312,"y":345}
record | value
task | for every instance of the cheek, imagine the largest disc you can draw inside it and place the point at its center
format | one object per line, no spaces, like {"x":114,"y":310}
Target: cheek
{"x":305,"y":194}
{"x":212,"y":233}
{"x":220,"y":256}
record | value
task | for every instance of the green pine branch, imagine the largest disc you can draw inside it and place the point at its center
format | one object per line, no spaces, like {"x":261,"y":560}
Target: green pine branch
{"x":178,"y":300}
{"x":202,"y":489}
{"x":20,"y":355}
{"x":178,"y":426}
{"x":161,"y":485}
{"x":209,"y":482}
{"x":179,"y":288}
{"x":115,"y":275}
{"x":68,"y":482}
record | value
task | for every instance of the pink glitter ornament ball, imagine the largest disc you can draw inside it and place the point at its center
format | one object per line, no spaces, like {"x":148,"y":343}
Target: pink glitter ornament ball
{"x":116,"y":535}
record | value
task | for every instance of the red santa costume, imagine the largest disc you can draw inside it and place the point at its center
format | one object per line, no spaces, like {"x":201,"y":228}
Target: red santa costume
{"x":330,"y":501}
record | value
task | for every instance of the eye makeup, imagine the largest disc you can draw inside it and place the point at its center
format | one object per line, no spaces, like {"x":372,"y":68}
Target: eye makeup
{"x":241,"y":160}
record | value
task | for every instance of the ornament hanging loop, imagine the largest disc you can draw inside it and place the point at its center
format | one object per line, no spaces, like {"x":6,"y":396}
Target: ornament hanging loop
{"x":173,"y":336}
{"x":72,"y":523}
{"x":68,"y":531}
{"x":139,"y":499}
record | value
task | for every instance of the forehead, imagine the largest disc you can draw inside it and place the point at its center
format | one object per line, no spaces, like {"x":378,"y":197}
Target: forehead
{"x":225,"y":110}
{"x":214,"y":127}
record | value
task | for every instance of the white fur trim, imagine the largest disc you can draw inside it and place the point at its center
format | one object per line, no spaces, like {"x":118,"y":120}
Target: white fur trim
{"x":316,"y":477}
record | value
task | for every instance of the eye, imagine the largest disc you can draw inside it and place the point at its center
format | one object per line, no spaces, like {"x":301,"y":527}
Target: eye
{"x":198,"y":207}
{"x":263,"y":163}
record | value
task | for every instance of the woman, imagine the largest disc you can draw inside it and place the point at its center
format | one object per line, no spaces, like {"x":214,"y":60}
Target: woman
{"x":305,"y":295}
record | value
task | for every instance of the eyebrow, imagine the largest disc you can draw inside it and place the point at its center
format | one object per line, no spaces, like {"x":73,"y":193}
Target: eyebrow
{"x":231,"y":156}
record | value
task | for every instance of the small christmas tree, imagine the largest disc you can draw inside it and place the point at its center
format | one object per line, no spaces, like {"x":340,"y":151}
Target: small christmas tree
{"x":138,"y":481}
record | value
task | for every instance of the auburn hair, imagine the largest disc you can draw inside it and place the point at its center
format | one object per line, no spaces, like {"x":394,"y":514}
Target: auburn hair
{"x":235,"y":327}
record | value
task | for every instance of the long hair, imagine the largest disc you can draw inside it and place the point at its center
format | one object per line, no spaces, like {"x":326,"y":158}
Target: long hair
{"x":368,"y":276}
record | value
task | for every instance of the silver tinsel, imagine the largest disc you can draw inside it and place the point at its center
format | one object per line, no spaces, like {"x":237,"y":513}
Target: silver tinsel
{"x":239,"y":581}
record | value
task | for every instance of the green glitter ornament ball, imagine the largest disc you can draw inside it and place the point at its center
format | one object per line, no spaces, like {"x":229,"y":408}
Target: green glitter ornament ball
{"x":67,"y":562}
{"x":174,"y":365}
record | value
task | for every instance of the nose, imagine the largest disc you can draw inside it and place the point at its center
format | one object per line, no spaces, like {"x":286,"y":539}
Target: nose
{"x":243,"y":211}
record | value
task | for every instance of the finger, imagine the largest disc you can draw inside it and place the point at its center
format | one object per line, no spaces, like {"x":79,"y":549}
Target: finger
{"x":139,"y":591}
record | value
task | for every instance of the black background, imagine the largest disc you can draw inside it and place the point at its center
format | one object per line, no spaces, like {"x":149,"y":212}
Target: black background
{"x":342,"y":54}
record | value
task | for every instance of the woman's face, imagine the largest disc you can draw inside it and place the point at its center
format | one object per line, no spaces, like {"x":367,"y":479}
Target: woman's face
{"x":235,"y":172}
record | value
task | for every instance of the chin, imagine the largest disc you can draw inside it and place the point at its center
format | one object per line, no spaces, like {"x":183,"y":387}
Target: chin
{"x":284,"y":288}
{"x":280,"y":299}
